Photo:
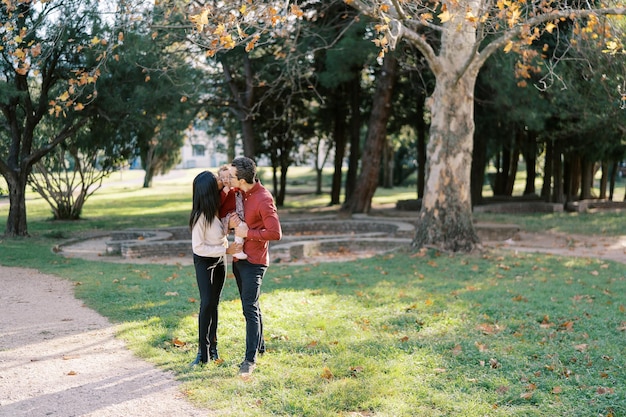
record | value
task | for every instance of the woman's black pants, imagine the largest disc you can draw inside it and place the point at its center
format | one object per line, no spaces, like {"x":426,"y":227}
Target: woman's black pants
{"x":210,"y":275}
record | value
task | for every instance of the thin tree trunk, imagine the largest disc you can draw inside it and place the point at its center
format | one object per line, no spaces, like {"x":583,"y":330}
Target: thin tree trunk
{"x":244,"y":101}
{"x":421,"y":145}
{"x":339,"y":135}
{"x":530,"y":156}
{"x":613,"y":177}
{"x":367,"y":182}
{"x":548,"y":172}
{"x":604,"y":180}
{"x":557,"y":169}
{"x":355,"y":136}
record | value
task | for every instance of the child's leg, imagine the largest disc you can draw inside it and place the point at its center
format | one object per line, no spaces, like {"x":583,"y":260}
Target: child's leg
{"x":240,"y":254}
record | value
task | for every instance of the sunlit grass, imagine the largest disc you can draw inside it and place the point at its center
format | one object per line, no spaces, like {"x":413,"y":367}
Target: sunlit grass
{"x":397,"y":335}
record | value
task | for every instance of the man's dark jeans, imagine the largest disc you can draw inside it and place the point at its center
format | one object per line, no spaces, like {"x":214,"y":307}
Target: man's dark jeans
{"x":249,"y":278}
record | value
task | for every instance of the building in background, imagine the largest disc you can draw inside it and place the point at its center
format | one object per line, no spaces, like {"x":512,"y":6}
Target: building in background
{"x":202,"y":151}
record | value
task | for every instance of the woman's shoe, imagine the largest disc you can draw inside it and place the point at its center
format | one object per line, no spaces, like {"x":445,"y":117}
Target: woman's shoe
{"x":197,"y":361}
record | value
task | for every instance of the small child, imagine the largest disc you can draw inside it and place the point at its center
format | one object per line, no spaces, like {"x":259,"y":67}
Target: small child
{"x":231,"y":206}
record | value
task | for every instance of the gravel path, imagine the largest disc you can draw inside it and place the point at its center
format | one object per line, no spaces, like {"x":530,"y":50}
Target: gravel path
{"x":60,"y":358}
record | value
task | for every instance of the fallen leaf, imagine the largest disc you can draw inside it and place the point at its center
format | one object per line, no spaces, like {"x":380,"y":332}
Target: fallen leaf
{"x":71,"y":373}
{"x":489,"y":329}
{"x":178,"y":343}
{"x":68,"y":357}
{"x":582,"y":347}
{"x":171,"y":294}
{"x":604,"y":390}
{"x":557,"y":390}
{"x":326,"y":373}
{"x":481,"y":347}
{"x":526,"y":395}
{"x":354,"y":370}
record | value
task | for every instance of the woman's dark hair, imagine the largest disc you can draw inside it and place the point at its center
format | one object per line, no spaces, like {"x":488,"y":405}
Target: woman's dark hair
{"x":206,"y":198}
{"x":246,"y":169}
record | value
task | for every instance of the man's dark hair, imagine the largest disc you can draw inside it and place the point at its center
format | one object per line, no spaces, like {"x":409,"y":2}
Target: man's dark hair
{"x":246,"y":169}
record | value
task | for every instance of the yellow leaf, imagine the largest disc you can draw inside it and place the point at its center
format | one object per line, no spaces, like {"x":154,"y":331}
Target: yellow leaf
{"x":79,"y":107}
{"x":444,"y":16}
{"x":65,"y":96}
{"x":326,"y":373}
{"x":95,"y":40}
{"x":508,"y":47}
{"x":220,"y":29}
{"x":550,"y":27}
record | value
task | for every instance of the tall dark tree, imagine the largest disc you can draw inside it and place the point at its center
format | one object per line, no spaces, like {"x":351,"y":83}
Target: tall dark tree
{"x":376,"y":138}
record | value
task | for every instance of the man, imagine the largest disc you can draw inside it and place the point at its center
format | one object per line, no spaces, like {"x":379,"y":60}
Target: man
{"x":261,"y":226}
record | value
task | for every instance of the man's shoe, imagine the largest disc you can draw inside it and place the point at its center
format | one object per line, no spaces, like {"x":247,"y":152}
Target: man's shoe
{"x":246,"y":368}
{"x":197,"y":361}
{"x":213,"y":356}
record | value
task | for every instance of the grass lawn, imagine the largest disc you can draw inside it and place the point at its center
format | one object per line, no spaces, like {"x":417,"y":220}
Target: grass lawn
{"x":496,"y":334}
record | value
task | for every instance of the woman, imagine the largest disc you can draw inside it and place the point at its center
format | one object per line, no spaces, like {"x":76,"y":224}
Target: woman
{"x":210,"y":245}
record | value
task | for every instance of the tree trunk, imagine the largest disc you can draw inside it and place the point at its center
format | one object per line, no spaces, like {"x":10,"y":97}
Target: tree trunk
{"x":148,"y":166}
{"x":548,"y":172}
{"x":445,"y":219}
{"x":558,"y":195}
{"x":586,"y":178}
{"x":604,"y":180}
{"x":513,"y":164}
{"x":479,"y":162}
{"x":367,"y":182}
{"x":421,"y":145}
{"x":339,"y":134}
{"x":355,"y":136}
{"x":16,"y":222}
{"x":612,"y":178}
{"x":244,"y":100}
{"x":530,"y":156}
{"x":387,"y":165}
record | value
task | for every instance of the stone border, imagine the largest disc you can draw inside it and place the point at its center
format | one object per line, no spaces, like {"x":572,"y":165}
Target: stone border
{"x":359,"y":236}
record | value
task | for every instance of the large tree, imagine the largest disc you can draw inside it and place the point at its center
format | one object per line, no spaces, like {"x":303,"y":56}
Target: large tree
{"x":456,"y":38}
{"x":50,"y":59}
